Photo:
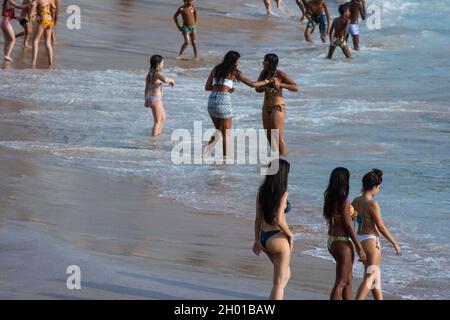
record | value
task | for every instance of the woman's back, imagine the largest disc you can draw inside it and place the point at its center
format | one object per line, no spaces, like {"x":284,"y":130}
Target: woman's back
{"x":366,"y":223}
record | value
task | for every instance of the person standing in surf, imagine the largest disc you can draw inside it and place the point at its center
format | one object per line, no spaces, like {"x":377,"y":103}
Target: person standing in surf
{"x":8,"y":14}
{"x":317,"y":13}
{"x":154,"y":92}
{"x":189,"y":28}
{"x":268,"y":5}
{"x":357,"y":7}
{"x":274,"y":106}
{"x":339,"y":32}
{"x":370,"y":225}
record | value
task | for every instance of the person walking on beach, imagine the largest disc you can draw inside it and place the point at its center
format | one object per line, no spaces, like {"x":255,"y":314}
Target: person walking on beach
{"x":189,"y":29}
{"x":317,"y":13}
{"x":27,"y":19}
{"x":8,"y":14}
{"x":370,"y":225}
{"x":339,"y":32}
{"x":154,"y":92}
{"x":272,"y":234}
{"x":338,"y":213}
{"x":274,"y":106}
{"x":357,"y":7}
{"x":268,"y":5}
{"x":45,"y":13}
{"x":221,"y":83}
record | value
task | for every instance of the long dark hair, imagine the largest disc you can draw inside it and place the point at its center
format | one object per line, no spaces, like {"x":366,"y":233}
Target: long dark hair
{"x":273,"y":60}
{"x":272,"y":189}
{"x":228,"y":65}
{"x":337,"y":192}
{"x":372,"y":179}
{"x":4,"y":6}
{"x":155,"y":61}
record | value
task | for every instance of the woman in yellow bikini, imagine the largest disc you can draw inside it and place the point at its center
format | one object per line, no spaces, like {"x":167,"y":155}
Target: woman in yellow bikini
{"x":45,"y":12}
{"x":342,"y":240}
{"x":274,"y":108}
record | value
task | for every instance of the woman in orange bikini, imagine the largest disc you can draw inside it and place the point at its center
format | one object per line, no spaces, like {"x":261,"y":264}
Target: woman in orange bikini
{"x":8,"y":14}
{"x":274,"y":108}
{"x":45,"y":13}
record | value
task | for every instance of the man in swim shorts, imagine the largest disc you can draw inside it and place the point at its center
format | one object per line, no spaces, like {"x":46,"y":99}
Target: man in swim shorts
{"x":357,"y":7}
{"x":317,"y":14}
{"x":189,"y":28}
{"x":339,"y":32}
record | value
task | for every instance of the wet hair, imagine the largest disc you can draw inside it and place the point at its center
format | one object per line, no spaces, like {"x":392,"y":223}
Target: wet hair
{"x":372,"y":179}
{"x":273,"y":60}
{"x":337,"y":193}
{"x":343,"y":7}
{"x":228,"y":65}
{"x":272,"y":190}
{"x":155,"y":61}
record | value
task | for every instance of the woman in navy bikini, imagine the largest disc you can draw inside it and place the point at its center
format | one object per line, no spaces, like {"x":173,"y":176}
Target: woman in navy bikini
{"x":272,"y":234}
{"x":370,"y":225}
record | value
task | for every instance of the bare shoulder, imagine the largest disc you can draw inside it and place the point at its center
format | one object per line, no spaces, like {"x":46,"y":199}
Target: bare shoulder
{"x":373,"y":206}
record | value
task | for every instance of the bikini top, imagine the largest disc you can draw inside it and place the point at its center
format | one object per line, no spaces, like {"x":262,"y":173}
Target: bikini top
{"x":223,"y":82}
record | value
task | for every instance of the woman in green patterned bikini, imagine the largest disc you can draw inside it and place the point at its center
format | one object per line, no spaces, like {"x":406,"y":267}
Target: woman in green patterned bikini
{"x":338,"y":212}
{"x":189,"y":28}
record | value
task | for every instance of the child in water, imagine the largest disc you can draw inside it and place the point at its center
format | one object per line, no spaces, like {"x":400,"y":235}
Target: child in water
{"x":339,"y":32}
{"x":189,"y":28}
{"x":27,"y":19}
{"x":154,"y":92}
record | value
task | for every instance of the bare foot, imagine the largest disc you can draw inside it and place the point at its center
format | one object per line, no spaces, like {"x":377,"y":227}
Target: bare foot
{"x":26,"y":45}
{"x":7,"y":58}
{"x":197,"y":58}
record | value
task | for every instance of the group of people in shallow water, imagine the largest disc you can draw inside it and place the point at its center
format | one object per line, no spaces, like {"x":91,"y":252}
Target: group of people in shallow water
{"x":221,"y":82}
{"x":39,"y":16}
{"x":316,"y":12}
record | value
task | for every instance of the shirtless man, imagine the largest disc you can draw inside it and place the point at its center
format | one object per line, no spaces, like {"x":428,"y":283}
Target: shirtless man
{"x":302,"y":5}
{"x":189,"y":28}
{"x":317,"y":13}
{"x":357,"y":7}
{"x":339,"y":32}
